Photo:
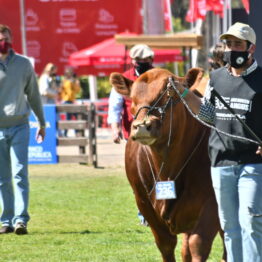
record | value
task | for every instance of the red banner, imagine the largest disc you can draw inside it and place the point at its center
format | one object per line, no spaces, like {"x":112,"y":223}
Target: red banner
{"x":57,"y":28}
{"x":198,"y":8}
{"x":10,"y":15}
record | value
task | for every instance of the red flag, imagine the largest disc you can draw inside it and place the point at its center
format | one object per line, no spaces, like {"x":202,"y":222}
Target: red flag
{"x":168,"y":17}
{"x":246,"y":5}
{"x":197,"y":10}
{"x":216,"y":6}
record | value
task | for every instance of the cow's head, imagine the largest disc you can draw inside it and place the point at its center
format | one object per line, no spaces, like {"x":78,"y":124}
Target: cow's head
{"x":152,"y":101}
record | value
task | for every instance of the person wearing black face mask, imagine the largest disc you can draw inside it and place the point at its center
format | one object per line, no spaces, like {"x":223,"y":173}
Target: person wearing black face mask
{"x":236,"y":163}
{"x":237,"y":59}
{"x":143,"y":66}
{"x":119,"y":115}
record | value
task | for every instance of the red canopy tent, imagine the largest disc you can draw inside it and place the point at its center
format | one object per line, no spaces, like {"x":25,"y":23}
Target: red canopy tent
{"x":108,"y":56}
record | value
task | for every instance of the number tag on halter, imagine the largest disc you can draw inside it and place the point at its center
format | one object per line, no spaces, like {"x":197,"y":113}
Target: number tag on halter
{"x":165,"y":190}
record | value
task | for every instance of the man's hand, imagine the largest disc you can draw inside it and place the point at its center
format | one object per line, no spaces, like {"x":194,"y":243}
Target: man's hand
{"x":40,"y":135}
{"x":259,"y":151}
{"x":116,"y":132}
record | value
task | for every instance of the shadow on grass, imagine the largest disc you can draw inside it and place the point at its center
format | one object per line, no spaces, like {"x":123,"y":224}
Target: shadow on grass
{"x":82,"y":232}
{"x":100,"y":232}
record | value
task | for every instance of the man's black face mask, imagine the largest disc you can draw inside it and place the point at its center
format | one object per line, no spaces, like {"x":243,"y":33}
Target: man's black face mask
{"x":236,"y":59}
{"x":142,"y":67}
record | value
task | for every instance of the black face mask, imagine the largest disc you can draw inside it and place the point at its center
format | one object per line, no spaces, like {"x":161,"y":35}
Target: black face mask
{"x":236,"y":59}
{"x":142,"y":67}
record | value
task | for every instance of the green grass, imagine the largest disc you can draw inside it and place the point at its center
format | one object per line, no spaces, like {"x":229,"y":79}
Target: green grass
{"x":78,"y":214}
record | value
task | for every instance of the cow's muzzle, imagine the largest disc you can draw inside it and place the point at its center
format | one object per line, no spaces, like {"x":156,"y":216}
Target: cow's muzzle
{"x":141,"y":131}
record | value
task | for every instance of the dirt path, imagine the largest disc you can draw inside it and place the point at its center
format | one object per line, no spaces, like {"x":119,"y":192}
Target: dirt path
{"x":108,"y":153}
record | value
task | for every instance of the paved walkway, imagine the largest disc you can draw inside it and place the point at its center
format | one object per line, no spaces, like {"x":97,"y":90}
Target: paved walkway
{"x":109,"y":154}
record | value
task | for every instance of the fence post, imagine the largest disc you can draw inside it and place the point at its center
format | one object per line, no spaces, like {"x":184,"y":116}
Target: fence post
{"x":92,"y":134}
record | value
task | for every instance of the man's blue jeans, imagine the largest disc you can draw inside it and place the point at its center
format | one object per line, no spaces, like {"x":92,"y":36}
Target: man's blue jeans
{"x":14,"y":185}
{"x":238,"y":192}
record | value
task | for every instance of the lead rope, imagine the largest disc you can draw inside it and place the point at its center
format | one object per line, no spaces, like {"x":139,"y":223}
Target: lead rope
{"x":170,"y":126}
{"x":152,"y":172}
{"x":204,"y":123}
{"x":163,"y":162}
{"x":181,"y":169}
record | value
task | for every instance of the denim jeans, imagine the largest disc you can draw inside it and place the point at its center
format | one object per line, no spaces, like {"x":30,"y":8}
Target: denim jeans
{"x":238,"y":192}
{"x":14,"y":185}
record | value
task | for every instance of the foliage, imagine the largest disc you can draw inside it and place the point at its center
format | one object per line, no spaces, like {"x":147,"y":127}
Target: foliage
{"x":180,"y":68}
{"x":179,"y":10}
{"x":84,"y":87}
{"x":178,"y":26}
{"x":103,"y":87}
{"x":78,"y":214}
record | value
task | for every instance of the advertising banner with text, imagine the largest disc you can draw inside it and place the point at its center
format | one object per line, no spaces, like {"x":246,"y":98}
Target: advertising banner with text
{"x":44,"y":153}
{"x":57,"y":28}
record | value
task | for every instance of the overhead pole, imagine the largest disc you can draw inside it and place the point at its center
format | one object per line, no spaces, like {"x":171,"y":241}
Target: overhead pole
{"x":153,"y":17}
{"x":227,"y":19}
{"x":23,"y":27}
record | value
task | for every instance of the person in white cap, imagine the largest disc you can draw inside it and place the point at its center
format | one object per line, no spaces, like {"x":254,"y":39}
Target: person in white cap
{"x":119,"y":115}
{"x":236,"y":161}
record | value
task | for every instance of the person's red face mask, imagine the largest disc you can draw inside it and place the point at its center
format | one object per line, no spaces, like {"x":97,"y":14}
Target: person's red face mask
{"x":4,"y":46}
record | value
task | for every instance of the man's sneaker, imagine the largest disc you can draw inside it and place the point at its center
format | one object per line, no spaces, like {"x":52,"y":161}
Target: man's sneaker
{"x":20,"y":229}
{"x":6,"y":230}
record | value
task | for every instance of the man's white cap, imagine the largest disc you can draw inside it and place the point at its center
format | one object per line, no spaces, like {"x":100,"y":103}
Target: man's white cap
{"x":241,"y":31}
{"x":141,"y":51}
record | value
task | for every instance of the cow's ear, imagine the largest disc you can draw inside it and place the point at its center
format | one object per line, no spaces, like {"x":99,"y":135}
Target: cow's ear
{"x":194,"y":76}
{"x":121,"y":84}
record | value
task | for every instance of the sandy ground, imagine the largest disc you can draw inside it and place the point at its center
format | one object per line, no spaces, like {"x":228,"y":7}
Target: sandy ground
{"x":108,"y":153}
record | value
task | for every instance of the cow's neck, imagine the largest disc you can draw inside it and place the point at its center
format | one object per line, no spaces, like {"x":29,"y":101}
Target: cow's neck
{"x":173,"y":158}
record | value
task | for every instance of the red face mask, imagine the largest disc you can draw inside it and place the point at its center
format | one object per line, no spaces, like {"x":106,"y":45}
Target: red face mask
{"x":4,"y":47}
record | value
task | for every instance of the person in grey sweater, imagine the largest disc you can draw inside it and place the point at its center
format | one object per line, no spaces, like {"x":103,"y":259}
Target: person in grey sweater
{"x":19,"y":94}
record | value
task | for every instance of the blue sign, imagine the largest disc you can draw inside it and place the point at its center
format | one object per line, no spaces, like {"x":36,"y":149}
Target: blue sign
{"x":44,"y":153}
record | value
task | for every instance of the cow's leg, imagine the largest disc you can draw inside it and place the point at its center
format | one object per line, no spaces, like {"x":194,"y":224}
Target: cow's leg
{"x":165,"y":242}
{"x":185,"y":252}
{"x":201,"y":239}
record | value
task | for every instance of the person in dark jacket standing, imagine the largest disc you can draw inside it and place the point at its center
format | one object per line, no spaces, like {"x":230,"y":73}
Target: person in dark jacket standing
{"x":18,"y":93}
{"x":236,"y":160}
{"x":119,"y":115}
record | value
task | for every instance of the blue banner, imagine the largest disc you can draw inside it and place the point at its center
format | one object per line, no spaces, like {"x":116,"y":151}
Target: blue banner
{"x":44,"y":153}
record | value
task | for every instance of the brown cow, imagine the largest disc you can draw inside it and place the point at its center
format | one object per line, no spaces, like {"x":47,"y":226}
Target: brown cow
{"x":168,"y":144}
